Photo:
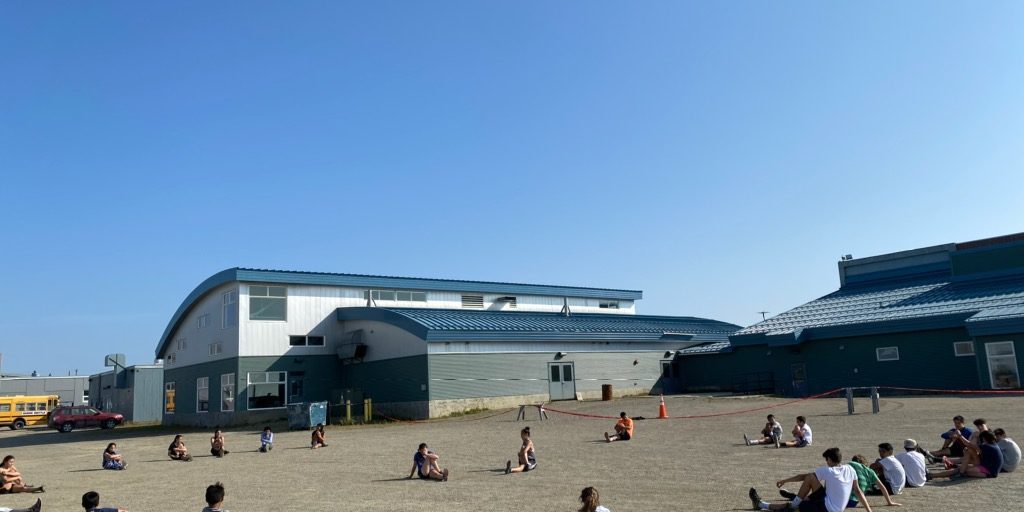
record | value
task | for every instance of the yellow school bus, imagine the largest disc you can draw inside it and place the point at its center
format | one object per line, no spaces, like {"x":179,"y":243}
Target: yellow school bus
{"x":18,"y":412}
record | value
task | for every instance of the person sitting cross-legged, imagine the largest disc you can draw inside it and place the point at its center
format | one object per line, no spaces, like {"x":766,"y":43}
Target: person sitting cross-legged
{"x":827,"y":489}
{"x":982,"y":461}
{"x":770,"y":434}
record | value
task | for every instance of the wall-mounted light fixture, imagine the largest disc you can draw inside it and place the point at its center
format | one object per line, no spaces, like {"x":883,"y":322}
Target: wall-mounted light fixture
{"x":559,"y":355}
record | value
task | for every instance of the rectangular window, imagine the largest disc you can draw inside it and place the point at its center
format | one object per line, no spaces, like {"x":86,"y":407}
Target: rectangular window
{"x":1002,"y":365}
{"x":202,"y":321}
{"x":169,"y":398}
{"x":887,"y":353}
{"x":268,"y":303}
{"x":5,"y":407}
{"x":181,"y":344}
{"x":418,"y":296}
{"x":216,"y":348}
{"x":473,"y":301}
{"x":608,"y":304}
{"x":229,"y":309}
{"x":963,"y":348}
{"x":227,"y":392}
{"x":203,"y":394}
{"x":171,"y":358}
{"x":302,"y":341}
{"x":266,"y":389}
{"x":396,"y":295}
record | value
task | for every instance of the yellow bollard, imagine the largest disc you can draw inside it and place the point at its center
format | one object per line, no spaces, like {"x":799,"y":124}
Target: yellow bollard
{"x":348,"y":412}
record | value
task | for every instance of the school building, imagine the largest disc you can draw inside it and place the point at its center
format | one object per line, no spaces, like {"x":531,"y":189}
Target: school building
{"x":247,"y":342}
{"x":944,"y":317}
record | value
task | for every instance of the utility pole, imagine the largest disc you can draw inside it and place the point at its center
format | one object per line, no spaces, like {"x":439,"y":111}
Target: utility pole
{"x":763,"y":313}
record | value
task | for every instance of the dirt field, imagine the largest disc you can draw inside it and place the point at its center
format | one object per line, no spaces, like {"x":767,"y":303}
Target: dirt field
{"x":692,"y":464}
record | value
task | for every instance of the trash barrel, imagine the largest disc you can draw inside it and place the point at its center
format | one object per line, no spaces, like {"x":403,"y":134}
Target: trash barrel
{"x":606,"y":392}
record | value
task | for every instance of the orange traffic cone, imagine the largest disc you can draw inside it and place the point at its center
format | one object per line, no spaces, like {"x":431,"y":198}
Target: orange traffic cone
{"x":662,"y":411}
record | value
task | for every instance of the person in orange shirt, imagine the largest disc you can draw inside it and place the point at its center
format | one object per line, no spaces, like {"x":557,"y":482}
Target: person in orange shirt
{"x":623,"y":429}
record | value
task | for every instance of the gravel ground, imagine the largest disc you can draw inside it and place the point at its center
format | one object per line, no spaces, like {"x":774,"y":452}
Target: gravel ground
{"x":677,"y":464}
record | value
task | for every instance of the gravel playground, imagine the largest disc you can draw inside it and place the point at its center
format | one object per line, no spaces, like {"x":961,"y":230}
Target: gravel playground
{"x":674,"y":464}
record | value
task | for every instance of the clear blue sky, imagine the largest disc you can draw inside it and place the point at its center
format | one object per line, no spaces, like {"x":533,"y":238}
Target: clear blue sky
{"x":720,"y":156}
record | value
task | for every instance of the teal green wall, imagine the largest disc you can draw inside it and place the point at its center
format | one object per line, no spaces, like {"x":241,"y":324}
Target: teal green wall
{"x":184,"y":380}
{"x":926,"y":361}
{"x":391,"y":380}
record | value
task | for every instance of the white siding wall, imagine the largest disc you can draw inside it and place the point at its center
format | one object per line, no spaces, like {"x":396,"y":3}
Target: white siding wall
{"x":198,"y":340}
{"x":311,"y":312}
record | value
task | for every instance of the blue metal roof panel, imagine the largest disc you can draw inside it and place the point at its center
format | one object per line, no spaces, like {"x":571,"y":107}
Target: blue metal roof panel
{"x":860,"y":310}
{"x":458,"y":325}
{"x":717,"y":347}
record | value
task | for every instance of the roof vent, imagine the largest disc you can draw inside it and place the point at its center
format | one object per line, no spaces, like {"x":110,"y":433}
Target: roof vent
{"x":511,"y":301}
{"x":473,"y":301}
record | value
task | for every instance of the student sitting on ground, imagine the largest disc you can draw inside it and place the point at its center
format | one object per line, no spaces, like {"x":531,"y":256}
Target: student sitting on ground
{"x":623,"y":429}
{"x":802,"y":435}
{"x":868,"y":481}
{"x":177,"y":450}
{"x":34,"y":508}
{"x":983,"y":461}
{"x":953,"y":442}
{"x":591,"y":501}
{"x":890,"y":470}
{"x":11,"y":480}
{"x":770,"y":434}
{"x":215,"y":498}
{"x":527,"y":457}
{"x":1011,"y":452}
{"x":424,"y":464}
{"x":112,"y":459}
{"x":218,"y":448}
{"x":913,"y":464}
{"x":319,"y":437}
{"x":266,"y":440}
{"x":827,"y":489}
{"x":91,"y":503}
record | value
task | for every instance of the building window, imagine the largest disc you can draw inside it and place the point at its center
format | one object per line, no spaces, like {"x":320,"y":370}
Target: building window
{"x":473,"y":301}
{"x":216,"y":348}
{"x":268,"y":302}
{"x":963,"y":348}
{"x":181,"y":344}
{"x":608,"y":304}
{"x":396,"y":295}
{"x":266,"y":389}
{"x":229,"y":309}
{"x":887,"y":353}
{"x":303,"y":341}
{"x":169,"y":398}
{"x":171,"y":358}
{"x":227,"y":392}
{"x":203,"y":394}
{"x":202,"y":321}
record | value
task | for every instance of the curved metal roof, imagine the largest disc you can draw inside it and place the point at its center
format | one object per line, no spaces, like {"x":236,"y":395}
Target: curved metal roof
{"x":379,"y":282}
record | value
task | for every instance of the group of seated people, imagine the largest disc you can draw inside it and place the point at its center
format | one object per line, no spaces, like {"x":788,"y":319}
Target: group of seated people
{"x":771,"y":434}
{"x":835,"y":486}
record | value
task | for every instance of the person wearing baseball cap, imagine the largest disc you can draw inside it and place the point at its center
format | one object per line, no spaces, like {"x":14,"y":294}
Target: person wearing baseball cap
{"x":913,"y":464}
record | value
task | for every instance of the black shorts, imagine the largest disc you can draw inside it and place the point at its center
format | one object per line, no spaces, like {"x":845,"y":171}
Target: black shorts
{"x":956,"y":449}
{"x":624,"y":435}
{"x":422,"y":476}
{"x":815,"y":502}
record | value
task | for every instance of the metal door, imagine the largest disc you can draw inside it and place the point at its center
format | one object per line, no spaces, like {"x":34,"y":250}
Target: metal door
{"x":799,"y":371}
{"x":562,"y":382}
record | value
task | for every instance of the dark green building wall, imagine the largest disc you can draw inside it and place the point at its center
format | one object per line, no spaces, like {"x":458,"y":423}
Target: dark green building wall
{"x":927,"y":360}
{"x":392,"y":380}
{"x":984,"y":379}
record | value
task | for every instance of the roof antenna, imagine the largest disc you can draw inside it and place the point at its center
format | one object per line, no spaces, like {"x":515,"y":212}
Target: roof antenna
{"x":565,"y":306}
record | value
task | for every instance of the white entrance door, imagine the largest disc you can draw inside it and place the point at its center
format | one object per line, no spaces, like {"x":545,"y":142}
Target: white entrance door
{"x":562,"y":382}
{"x":1002,"y":365}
